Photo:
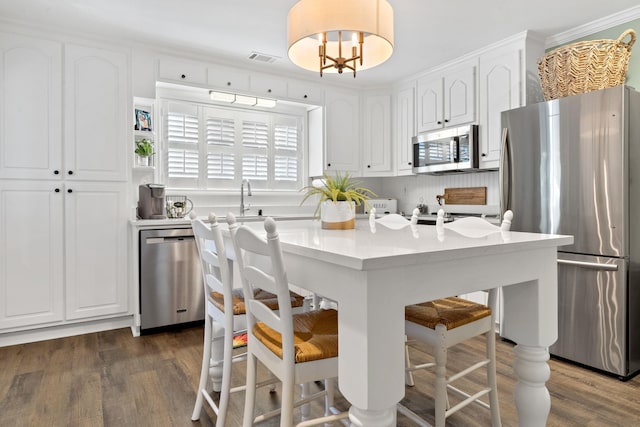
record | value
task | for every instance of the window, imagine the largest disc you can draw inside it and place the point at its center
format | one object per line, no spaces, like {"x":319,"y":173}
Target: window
{"x":216,"y":148}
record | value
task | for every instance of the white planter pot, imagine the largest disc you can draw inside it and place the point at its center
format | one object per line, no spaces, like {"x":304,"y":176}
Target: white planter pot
{"x":338,"y":215}
{"x":143,"y":161}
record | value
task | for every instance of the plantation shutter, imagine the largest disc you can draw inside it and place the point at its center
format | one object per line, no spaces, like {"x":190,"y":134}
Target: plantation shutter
{"x":255,"y":143}
{"x":220,"y":142}
{"x":211,"y":147}
{"x":182,"y":129}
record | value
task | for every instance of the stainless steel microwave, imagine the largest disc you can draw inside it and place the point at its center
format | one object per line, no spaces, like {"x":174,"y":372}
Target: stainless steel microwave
{"x":446,"y":150}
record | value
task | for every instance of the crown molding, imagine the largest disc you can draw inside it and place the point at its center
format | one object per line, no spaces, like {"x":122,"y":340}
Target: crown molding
{"x":589,"y":28}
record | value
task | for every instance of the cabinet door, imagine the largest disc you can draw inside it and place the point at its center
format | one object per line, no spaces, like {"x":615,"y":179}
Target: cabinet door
{"x":30,"y":108}
{"x":376,"y":145}
{"x":97,"y":119}
{"x":430,"y":103}
{"x":268,"y":87}
{"x":460,"y":96}
{"x":342,"y":132}
{"x":500,"y":84}
{"x":305,"y":92}
{"x":228,"y":78}
{"x":96,"y":249}
{"x":405,"y":130}
{"x":31,"y":254}
{"x":182,"y":71}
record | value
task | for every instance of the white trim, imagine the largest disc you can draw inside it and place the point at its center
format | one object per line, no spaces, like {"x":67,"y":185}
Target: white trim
{"x":589,"y":28}
{"x":67,"y":330}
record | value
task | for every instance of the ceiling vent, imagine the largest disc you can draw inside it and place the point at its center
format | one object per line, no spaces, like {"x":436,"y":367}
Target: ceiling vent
{"x":263,"y":57}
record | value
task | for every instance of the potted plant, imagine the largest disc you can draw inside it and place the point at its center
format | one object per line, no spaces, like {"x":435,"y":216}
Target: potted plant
{"x":337,"y":200}
{"x":144,"y":150}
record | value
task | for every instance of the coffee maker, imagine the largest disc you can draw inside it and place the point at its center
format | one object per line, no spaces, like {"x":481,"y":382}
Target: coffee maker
{"x":151,"y":201}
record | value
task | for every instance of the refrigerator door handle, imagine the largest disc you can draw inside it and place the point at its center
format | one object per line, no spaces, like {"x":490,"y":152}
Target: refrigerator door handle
{"x":589,"y":265}
{"x":505,"y":171}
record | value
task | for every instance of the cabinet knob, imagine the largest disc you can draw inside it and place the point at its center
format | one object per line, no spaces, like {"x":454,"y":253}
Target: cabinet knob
{"x":368,"y":166}
{"x":56,"y":172}
{"x":305,"y":97}
{"x":228,"y":83}
{"x":182,"y":76}
{"x":70,"y":172}
{"x":269,"y":90}
{"x":328,"y":165}
{"x":484,"y":154}
{"x":439,"y":122}
{"x":409,"y":163}
{"x":57,"y":190}
{"x":446,"y":120}
{"x":69,"y":191}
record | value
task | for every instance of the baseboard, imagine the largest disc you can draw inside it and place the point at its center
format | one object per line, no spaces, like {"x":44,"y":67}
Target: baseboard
{"x":61,"y":331}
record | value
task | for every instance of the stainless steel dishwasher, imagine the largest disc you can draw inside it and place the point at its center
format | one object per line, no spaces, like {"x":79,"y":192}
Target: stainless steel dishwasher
{"x":171,"y":288}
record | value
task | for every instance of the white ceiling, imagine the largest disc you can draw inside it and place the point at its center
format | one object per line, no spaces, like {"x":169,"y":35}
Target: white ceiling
{"x":427,"y":32}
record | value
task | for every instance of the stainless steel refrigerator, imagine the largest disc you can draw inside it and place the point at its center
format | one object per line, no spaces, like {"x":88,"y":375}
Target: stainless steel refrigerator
{"x":572,"y":166}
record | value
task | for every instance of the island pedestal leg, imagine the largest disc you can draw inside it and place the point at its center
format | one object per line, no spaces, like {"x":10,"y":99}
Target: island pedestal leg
{"x":533,"y":402}
{"x":362,"y":418}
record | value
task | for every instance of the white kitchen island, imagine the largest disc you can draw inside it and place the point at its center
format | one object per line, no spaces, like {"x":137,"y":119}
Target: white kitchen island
{"x":373,"y":276}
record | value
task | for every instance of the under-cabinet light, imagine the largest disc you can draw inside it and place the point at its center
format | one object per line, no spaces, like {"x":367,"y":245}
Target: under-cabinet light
{"x":242,"y":99}
{"x":222,"y":96}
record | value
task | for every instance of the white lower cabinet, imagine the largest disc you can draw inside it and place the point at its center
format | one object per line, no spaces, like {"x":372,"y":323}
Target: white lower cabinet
{"x":31,"y":255}
{"x":63,"y":252}
{"x":96,"y":250}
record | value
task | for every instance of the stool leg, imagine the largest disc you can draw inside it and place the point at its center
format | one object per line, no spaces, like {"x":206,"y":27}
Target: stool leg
{"x":492,"y":380}
{"x":408,"y":375}
{"x":306,"y":408}
{"x":204,"y":370}
{"x":441,"y":375}
{"x":225,"y":389}
{"x":250,"y":393}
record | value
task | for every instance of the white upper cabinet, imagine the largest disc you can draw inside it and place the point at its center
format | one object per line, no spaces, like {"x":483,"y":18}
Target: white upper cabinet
{"x":499,"y":91}
{"x":447,"y":97}
{"x":97,"y":123}
{"x":405,"y":129}
{"x":182,"y":71}
{"x":232,"y":79}
{"x":342,"y":132}
{"x":507,"y":79}
{"x":305,"y":92}
{"x":30,"y":108}
{"x":267,"y":86}
{"x":376,"y":143}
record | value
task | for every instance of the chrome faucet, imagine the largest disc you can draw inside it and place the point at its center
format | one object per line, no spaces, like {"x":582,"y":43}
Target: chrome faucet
{"x":242,"y":208}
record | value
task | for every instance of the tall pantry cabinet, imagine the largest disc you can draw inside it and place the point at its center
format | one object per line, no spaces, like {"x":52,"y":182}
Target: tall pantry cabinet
{"x":64,"y":120}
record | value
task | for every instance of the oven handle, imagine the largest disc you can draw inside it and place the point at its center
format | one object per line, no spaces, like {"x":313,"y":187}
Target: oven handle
{"x":454,"y":146}
{"x":589,"y":265}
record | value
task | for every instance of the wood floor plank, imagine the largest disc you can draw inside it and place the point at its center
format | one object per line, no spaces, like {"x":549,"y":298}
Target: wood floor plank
{"x":113,"y":379}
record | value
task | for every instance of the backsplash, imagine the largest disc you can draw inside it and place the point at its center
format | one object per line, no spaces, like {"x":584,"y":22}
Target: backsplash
{"x":410,"y":189}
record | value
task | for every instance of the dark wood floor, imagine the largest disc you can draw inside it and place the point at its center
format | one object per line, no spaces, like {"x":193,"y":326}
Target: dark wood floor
{"x":113,"y":379}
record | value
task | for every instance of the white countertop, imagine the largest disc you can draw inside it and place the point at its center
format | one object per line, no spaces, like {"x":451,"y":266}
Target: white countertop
{"x":186,"y":222}
{"x":363,"y":250}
